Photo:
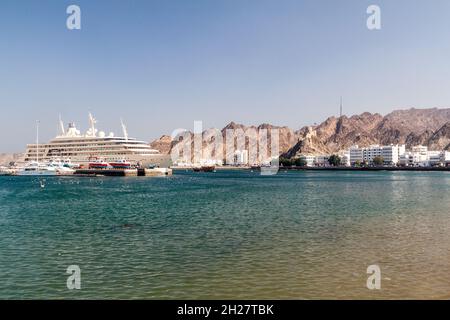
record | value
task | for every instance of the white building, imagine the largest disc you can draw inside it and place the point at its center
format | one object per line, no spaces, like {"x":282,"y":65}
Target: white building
{"x":345,"y":158}
{"x":434,"y":158}
{"x":356,"y":154}
{"x":420,"y":150}
{"x":390,"y":154}
{"x":445,"y":158}
{"x":371,"y":153}
{"x":240,"y":157}
{"x":321,"y":161}
{"x":419,"y":156}
{"x":309,"y":159}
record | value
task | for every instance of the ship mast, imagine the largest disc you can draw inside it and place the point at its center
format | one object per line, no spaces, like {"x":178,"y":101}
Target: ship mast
{"x":37,"y":142}
{"x":124,"y":129}
{"x":61,"y":126}
{"x":92,"y":122}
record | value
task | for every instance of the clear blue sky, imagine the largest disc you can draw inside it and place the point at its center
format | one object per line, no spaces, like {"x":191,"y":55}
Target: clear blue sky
{"x":163,"y":64}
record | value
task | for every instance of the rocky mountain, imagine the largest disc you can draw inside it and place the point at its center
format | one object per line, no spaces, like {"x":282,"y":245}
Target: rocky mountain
{"x":287,"y":137}
{"x":163,"y":144}
{"x":440,"y":140}
{"x":430,"y":127}
{"x":214,"y":141}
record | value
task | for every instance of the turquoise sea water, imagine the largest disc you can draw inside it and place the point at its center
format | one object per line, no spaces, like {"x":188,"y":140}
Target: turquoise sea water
{"x":229,"y":234}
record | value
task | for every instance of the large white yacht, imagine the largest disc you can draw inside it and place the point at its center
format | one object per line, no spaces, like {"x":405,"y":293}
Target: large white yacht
{"x":82,"y":149}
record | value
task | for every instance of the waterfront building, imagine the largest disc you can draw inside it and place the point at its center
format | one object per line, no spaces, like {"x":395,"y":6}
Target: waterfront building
{"x":390,"y":154}
{"x":371,"y":153}
{"x":406,"y":159}
{"x":434,"y":158}
{"x":321,"y":161}
{"x":420,"y":156}
{"x":445,"y":158}
{"x":356,"y":154}
{"x":420,"y":150}
{"x":309,"y":159}
{"x":345,"y":158}
{"x":240,"y":157}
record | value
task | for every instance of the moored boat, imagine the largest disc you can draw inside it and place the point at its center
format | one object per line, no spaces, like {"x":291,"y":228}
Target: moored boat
{"x":98,"y":164}
{"x":204,"y":169}
{"x":62,"y":167}
{"x":65,"y":171}
{"x":37,"y":169}
{"x":121,"y":164}
{"x":4,"y":171}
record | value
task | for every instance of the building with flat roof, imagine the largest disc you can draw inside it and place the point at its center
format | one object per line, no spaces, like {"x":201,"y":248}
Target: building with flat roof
{"x":390,"y":154}
{"x":309,"y":159}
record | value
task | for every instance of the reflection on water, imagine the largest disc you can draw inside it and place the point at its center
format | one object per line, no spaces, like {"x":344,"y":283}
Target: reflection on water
{"x":297,"y":235}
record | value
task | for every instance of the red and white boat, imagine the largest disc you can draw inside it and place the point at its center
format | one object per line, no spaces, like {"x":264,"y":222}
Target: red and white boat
{"x":120,"y":164}
{"x":98,"y":164}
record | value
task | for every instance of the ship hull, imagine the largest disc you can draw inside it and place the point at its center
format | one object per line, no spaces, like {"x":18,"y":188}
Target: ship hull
{"x":37,"y":173}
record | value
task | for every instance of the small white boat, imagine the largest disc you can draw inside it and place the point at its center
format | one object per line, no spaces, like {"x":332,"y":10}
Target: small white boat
{"x":37,"y":169}
{"x":64,"y":171}
{"x":63,"y":167}
{"x":4,"y":171}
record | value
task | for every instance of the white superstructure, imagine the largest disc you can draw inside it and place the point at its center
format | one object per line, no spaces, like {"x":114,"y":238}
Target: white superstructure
{"x":80,"y":148}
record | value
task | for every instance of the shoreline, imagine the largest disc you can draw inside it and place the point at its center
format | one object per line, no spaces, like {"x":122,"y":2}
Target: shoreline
{"x":215,"y":168}
{"x":294,"y":168}
{"x":438,"y":169}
